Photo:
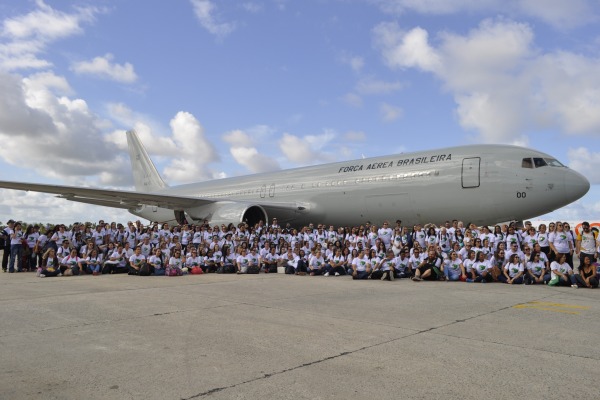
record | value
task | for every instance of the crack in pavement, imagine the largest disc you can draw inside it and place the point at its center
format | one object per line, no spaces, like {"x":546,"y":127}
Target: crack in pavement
{"x":345,"y":353}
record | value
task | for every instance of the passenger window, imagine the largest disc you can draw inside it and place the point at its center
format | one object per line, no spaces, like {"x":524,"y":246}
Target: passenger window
{"x":539,"y":162}
{"x":527,"y":163}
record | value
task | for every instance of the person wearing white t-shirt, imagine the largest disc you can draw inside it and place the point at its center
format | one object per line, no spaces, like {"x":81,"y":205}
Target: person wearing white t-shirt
{"x":157,"y":263}
{"x":561,"y":272}
{"x":136,"y":261}
{"x":269,"y":260}
{"x":402,"y":265}
{"x":513,"y":271}
{"x":385,"y":234}
{"x":176,"y":264}
{"x":560,"y":244}
{"x":71,"y":262}
{"x":361,"y":267}
{"x":94,"y":262}
{"x":481,"y":269}
{"x":316,"y":265}
{"x":454,"y":268}
{"x":337,"y":263}
{"x":386,"y":267}
{"x":16,"y":248}
{"x":242,"y":262}
{"x":536,"y":270}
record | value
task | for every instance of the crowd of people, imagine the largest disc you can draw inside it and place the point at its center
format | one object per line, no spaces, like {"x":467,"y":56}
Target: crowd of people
{"x":452,"y":251}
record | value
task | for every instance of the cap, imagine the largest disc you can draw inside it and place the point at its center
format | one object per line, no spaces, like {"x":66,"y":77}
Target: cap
{"x":584,"y":223}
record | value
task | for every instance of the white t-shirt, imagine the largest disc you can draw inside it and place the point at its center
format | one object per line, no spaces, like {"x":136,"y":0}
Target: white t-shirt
{"x":513,"y":269}
{"x":361,"y":263}
{"x":536,"y":268}
{"x":562,"y":268}
{"x":560,"y":240}
{"x":481,"y":266}
{"x":137,"y":260}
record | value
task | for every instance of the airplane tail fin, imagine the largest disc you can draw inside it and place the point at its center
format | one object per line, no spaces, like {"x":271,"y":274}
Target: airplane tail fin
{"x":145,"y":175}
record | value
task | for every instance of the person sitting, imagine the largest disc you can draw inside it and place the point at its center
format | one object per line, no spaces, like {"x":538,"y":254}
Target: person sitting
{"x":587,"y":276}
{"x":513,"y":271}
{"x":269,"y":260}
{"x":242,"y":262}
{"x":156,"y":263}
{"x":430,"y":268}
{"x":481,"y":269}
{"x":137,"y":261}
{"x":94,"y":262}
{"x":361,"y":268}
{"x":337,"y":264}
{"x":536,"y":270}
{"x":117,"y":262}
{"x":454,"y":268}
{"x":402,"y":265}
{"x":175,"y":266}
{"x":50,"y":264}
{"x":71,"y":264}
{"x":385,"y":266}
{"x":316,"y":265}
{"x":562,"y":273}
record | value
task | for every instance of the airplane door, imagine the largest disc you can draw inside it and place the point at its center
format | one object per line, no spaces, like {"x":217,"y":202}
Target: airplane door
{"x":272,"y":190}
{"x":263,"y":191}
{"x":470,"y":172}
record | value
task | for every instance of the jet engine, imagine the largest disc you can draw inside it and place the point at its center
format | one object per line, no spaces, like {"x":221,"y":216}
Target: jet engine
{"x":224,"y":212}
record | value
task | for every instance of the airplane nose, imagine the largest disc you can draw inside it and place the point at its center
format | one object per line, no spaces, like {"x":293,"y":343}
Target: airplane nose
{"x":576,"y":186}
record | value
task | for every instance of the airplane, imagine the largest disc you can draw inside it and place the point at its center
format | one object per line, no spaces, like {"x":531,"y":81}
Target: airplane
{"x":480,"y":184}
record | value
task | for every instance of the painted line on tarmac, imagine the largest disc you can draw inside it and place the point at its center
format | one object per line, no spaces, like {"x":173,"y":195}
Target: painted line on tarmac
{"x":553,"y":307}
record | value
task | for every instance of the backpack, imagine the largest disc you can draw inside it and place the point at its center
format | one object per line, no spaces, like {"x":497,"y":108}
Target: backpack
{"x":144,"y":270}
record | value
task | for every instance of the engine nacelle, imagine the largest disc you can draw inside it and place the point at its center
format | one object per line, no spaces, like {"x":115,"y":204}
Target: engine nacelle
{"x":225,"y":212}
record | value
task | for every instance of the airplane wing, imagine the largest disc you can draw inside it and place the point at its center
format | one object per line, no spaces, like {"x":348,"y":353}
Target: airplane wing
{"x":108,"y":197}
{"x":129,"y":199}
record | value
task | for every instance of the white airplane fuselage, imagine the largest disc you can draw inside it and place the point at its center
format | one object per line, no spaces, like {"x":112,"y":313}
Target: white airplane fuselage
{"x":482,"y":184}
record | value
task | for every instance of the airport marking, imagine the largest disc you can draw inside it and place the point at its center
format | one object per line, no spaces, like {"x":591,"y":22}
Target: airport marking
{"x":553,"y":307}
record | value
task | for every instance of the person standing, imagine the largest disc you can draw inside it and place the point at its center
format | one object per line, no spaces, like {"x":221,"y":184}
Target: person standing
{"x":6,"y":232}
{"x":16,"y":248}
{"x":587,"y":243}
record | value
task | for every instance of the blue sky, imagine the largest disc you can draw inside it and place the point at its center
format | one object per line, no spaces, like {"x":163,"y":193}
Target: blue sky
{"x":224,"y":88}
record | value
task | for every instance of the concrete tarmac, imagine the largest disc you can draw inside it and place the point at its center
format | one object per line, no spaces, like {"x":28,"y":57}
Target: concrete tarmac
{"x":273,"y":336}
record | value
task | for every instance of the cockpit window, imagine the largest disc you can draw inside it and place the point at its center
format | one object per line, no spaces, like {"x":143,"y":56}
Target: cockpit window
{"x":553,"y":163}
{"x":527,"y":163}
{"x":539,"y":162}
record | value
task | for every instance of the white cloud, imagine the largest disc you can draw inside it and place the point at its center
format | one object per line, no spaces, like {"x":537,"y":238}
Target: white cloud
{"x":245,"y":153}
{"x":194,"y":150}
{"x":389,"y":112}
{"x":44,"y":22}
{"x":45,"y":208}
{"x":502,"y":84}
{"x":406,"y":49}
{"x":187,"y":149}
{"x":103,"y":67}
{"x":307,"y":149}
{"x":58,"y":135}
{"x":204,"y":10}
{"x":585,"y":162}
{"x":238,"y":138}
{"x":29,"y":34}
{"x":255,"y":162}
{"x":558,"y":13}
